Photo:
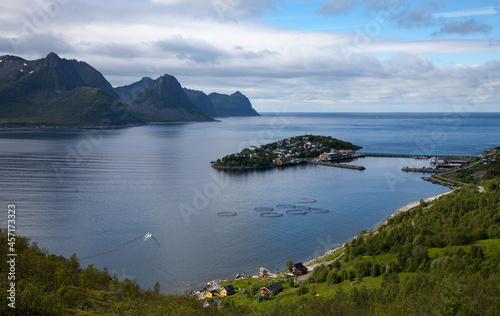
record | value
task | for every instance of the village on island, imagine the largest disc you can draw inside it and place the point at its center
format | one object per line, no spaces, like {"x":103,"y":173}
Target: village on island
{"x":323,"y":150}
{"x":292,"y":151}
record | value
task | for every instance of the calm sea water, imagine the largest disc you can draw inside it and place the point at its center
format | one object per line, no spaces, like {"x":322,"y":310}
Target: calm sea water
{"x":96,"y":192}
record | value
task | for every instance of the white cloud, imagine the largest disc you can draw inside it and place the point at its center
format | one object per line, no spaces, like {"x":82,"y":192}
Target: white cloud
{"x":223,"y":10}
{"x":473,"y":12}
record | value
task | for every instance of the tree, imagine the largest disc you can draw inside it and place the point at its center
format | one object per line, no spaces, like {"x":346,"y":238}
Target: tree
{"x":157,"y":288}
{"x":289,"y":265}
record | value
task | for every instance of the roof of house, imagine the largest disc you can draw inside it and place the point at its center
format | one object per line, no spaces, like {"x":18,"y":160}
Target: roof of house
{"x":229,"y":288}
{"x":213,"y":291}
{"x":274,"y":287}
{"x":300,"y":266}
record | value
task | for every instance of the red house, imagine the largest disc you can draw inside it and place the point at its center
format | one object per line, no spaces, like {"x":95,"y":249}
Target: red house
{"x":299,"y":269}
{"x":272,"y":289}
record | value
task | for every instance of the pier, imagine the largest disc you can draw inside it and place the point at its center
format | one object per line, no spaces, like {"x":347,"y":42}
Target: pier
{"x":417,"y":156}
{"x":338,"y":165}
{"x":425,"y":170}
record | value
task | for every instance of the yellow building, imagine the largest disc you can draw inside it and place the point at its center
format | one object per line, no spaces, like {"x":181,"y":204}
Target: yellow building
{"x":227,"y":290}
{"x":330,"y":156}
{"x":283,"y":161}
{"x":212,"y":293}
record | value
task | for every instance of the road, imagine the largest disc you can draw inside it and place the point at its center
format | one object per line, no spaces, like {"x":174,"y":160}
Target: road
{"x":311,"y":267}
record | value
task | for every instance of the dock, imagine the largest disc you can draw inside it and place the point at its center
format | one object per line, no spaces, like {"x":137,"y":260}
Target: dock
{"x":337,"y":165}
{"x":417,"y":156}
{"x":425,"y":170}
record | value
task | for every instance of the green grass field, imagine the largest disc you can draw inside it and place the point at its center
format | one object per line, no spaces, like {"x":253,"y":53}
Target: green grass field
{"x":290,"y":295}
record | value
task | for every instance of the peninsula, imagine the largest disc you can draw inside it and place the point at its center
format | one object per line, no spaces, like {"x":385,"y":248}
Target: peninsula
{"x":291,"y":151}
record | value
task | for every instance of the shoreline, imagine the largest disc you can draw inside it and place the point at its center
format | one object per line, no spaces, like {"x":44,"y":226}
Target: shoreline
{"x":104,"y":126}
{"x":310,"y":264}
{"x":409,"y":207}
{"x":403,"y":209}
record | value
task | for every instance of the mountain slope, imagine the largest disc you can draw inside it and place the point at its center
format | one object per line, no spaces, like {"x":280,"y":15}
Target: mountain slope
{"x":165,"y":101}
{"x":131,"y":91}
{"x":56,"y":92}
{"x":201,"y":101}
{"x":235,"y":104}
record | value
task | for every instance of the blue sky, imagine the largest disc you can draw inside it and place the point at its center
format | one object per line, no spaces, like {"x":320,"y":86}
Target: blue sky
{"x":286,"y":56}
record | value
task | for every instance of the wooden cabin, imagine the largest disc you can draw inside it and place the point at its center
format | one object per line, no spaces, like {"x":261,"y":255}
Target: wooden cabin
{"x":299,"y":269}
{"x":212,"y":293}
{"x":272,"y":289}
{"x":227,"y":290}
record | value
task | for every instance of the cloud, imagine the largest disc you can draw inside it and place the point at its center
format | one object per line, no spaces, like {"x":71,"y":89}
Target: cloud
{"x":116,"y":50}
{"x":470,"y":26}
{"x":36,"y":44}
{"x":338,"y":7}
{"x":223,"y":10}
{"x":401,"y":12}
{"x":194,"y":50}
{"x":419,"y":16}
{"x":474,"y":12}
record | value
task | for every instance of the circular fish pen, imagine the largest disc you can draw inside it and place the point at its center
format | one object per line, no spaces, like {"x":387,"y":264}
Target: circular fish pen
{"x":285,"y":206}
{"x":297,"y":211}
{"x":226,"y":214}
{"x":318,"y":210}
{"x":305,"y":200}
{"x":263,"y":209}
{"x":271,"y":214}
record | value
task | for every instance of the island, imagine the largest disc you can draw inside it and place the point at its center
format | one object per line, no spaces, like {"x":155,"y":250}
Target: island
{"x":292,"y":151}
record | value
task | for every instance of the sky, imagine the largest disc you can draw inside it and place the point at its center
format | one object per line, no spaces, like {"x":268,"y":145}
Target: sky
{"x":285,"y":55}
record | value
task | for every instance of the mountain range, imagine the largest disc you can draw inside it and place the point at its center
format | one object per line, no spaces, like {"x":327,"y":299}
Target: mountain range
{"x":56,"y":92}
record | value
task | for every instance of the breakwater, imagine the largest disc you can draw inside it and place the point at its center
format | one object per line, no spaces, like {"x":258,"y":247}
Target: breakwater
{"x":337,"y":165}
{"x":437,"y":181}
{"x":425,"y":170}
{"x":416,"y":156}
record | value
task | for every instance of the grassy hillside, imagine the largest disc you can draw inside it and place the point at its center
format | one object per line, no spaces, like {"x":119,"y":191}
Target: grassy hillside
{"x":55,"y":92}
{"x":78,"y":107}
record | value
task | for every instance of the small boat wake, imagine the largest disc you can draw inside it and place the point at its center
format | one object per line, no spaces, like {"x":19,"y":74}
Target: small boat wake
{"x":144,"y":238}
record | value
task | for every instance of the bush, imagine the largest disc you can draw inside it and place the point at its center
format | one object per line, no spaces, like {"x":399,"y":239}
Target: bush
{"x":303,"y":289}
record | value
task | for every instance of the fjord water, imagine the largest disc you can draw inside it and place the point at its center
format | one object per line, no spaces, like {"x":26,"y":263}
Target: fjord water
{"x":95,"y":192}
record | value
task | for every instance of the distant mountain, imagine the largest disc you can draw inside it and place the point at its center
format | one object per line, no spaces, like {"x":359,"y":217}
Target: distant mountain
{"x":130,"y":92}
{"x":235,"y":104}
{"x":164,"y":100}
{"x":201,"y":101}
{"x":57,"y":92}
